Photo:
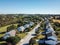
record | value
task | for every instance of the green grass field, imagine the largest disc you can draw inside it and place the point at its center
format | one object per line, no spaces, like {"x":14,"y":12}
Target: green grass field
{"x":22,"y":35}
{"x":3,"y":29}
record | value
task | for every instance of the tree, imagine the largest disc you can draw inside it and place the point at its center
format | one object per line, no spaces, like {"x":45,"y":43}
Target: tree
{"x":11,"y":28}
{"x":32,"y":41}
{"x":13,"y":40}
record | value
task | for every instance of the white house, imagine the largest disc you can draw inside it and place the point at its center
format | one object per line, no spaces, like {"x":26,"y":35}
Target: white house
{"x":26,"y":26}
{"x":21,"y":28}
{"x":11,"y":33}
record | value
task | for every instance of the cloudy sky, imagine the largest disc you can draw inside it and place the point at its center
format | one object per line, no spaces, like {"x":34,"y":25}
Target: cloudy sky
{"x":30,"y":6}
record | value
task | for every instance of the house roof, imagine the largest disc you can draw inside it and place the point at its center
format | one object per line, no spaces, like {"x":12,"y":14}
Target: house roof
{"x":49,"y":28}
{"x":51,"y":42}
{"x":31,"y":23}
{"x":27,"y":26}
{"x":21,"y":28}
{"x":52,"y":37}
{"x":9,"y":34}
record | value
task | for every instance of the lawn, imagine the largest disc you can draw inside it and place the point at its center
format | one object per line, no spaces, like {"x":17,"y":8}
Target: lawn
{"x":21,"y":35}
{"x":1,"y":35}
{"x":3,"y":29}
{"x":2,"y":43}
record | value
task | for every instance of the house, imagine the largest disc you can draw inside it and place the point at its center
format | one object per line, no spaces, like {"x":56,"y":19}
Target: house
{"x":11,"y":33}
{"x":26,"y":26}
{"x":53,"y":37}
{"x":48,"y":42}
{"x":49,"y":28}
{"x":31,"y":23}
{"x":21,"y":28}
{"x":52,"y":40}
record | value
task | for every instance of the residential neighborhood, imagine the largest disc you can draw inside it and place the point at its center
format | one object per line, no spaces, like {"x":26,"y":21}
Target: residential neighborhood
{"x":29,"y":22}
{"x":39,"y":30}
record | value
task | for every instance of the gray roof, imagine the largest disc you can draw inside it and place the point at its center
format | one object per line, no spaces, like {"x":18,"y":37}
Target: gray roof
{"x":21,"y":28}
{"x":9,"y":34}
{"x":31,"y":23}
{"x":27,"y":26}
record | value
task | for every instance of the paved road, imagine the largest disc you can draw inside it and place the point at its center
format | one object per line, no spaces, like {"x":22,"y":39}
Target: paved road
{"x":25,"y":40}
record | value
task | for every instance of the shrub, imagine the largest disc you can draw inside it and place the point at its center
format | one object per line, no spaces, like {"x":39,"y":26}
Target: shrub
{"x":57,"y":24}
{"x":57,"y":29}
{"x":56,"y":33}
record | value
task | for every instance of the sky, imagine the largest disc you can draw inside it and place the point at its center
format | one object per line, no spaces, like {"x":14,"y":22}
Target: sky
{"x":30,"y":6}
